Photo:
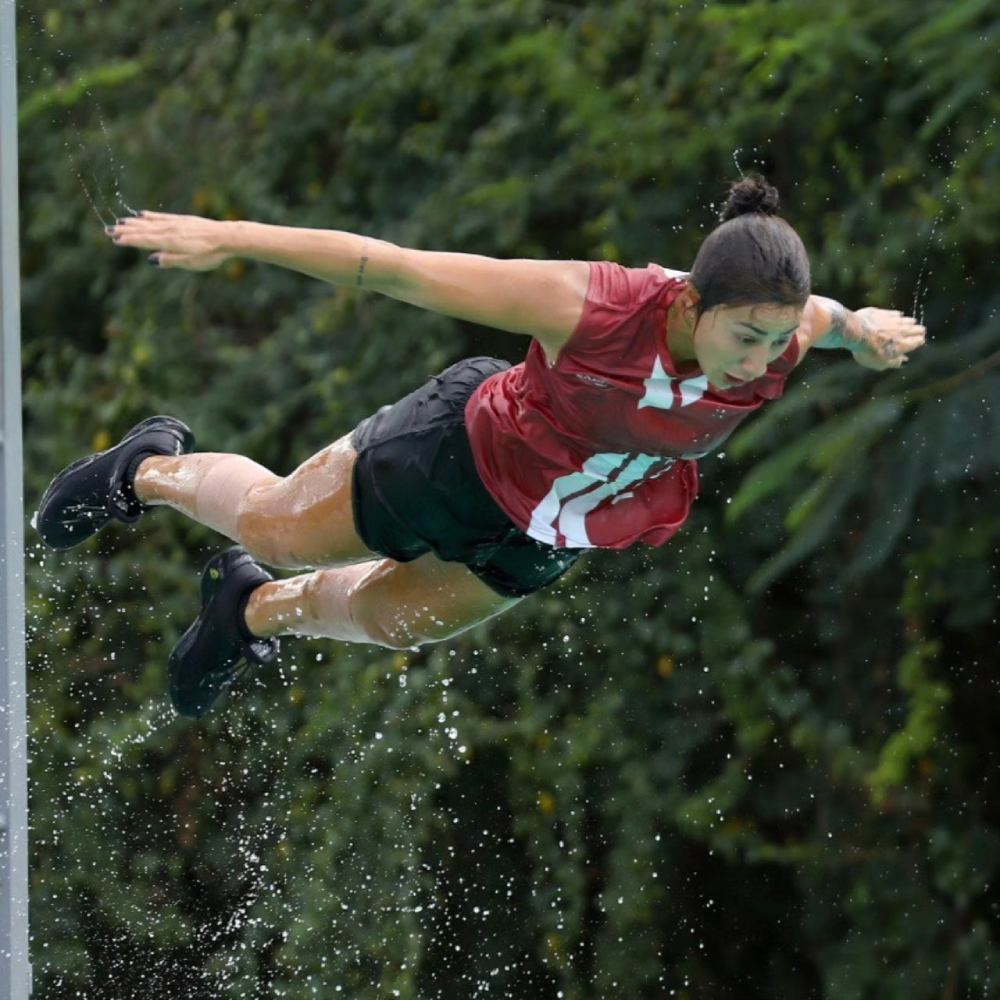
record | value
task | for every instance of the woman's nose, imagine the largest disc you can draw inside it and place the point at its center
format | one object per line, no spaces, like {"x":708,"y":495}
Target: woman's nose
{"x":754,"y":365}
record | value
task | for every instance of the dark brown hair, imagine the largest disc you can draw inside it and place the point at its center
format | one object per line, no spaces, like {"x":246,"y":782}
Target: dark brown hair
{"x":754,"y":256}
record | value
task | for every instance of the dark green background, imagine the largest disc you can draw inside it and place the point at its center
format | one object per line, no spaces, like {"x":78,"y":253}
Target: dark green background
{"x":757,"y":763}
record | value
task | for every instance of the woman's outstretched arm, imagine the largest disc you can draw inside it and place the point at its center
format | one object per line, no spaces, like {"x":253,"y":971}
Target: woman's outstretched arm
{"x":878,"y":338}
{"x":540,"y":298}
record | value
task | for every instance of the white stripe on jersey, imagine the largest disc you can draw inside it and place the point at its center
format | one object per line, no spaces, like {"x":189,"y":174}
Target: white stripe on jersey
{"x":660,"y":388}
{"x":564,"y":509}
{"x":573,"y":496}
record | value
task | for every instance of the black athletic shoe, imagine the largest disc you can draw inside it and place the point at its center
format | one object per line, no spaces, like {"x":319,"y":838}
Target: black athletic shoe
{"x":219,"y":648}
{"x":92,"y":491}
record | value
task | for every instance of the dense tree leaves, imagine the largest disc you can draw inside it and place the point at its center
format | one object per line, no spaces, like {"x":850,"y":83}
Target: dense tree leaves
{"x":755,"y":763}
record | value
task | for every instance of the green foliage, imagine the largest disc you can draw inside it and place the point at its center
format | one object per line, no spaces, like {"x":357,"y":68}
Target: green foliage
{"x":754,"y":763}
{"x":923,"y":722}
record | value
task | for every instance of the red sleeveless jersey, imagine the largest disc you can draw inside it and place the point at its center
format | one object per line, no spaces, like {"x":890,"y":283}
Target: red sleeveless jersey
{"x":599,"y":449}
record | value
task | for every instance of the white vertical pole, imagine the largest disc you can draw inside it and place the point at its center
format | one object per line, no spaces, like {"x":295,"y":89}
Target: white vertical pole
{"x":15,"y":967}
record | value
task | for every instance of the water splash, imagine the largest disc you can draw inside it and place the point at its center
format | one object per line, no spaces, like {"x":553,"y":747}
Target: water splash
{"x":736,"y":153}
{"x":920,"y":290}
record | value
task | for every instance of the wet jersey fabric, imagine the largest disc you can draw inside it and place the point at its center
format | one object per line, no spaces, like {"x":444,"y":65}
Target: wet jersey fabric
{"x":600,"y":448}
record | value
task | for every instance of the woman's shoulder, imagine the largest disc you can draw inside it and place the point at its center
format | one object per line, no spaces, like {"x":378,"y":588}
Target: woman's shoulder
{"x":620,"y":302}
{"x":611,"y":282}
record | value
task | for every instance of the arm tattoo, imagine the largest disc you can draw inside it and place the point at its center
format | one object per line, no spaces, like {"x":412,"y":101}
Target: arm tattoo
{"x":842,"y":332}
{"x":838,"y":320}
{"x":835,"y":336}
{"x":361,"y":268}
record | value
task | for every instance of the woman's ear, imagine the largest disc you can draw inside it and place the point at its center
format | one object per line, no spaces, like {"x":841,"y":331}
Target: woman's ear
{"x":691,"y":301}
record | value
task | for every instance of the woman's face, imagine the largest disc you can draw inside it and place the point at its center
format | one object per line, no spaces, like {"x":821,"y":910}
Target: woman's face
{"x":734,"y":344}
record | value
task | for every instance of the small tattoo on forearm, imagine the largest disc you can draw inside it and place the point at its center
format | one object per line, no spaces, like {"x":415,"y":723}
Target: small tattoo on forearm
{"x":838,"y":320}
{"x":361,"y":270}
{"x":840,"y":334}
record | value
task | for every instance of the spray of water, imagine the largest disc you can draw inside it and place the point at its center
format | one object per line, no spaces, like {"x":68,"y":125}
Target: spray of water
{"x":920,"y":291}
{"x":87,"y":163}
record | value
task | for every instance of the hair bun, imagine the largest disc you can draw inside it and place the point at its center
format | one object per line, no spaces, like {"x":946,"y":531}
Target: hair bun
{"x":751,"y":194}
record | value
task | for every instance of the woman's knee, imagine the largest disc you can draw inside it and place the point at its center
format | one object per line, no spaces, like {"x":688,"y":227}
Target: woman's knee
{"x":400,"y":627}
{"x":338,"y":604}
{"x":404,"y":605}
{"x":266,"y":528}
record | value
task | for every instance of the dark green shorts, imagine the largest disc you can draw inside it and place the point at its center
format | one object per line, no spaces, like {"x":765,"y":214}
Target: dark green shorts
{"x":416,"y":489}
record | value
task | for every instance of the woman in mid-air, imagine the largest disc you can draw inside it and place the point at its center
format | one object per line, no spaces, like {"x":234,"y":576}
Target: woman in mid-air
{"x":487,"y":483}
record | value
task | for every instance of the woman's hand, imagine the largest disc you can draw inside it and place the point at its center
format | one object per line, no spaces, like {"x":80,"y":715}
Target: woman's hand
{"x":885,"y":338}
{"x":188,"y":242}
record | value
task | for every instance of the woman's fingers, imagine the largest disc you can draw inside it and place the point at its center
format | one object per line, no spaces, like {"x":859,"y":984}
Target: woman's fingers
{"x":903,"y":344}
{"x":892,"y":337}
{"x":141,"y":238}
{"x":185,"y":235}
{"x":155,"y":226}
{"x":136,"y":232}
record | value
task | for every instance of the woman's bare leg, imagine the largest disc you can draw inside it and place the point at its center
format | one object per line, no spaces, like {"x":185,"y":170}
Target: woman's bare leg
{"x":306,"y":520}
{"x":300,"y":521}
{"x":397,"y":605}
